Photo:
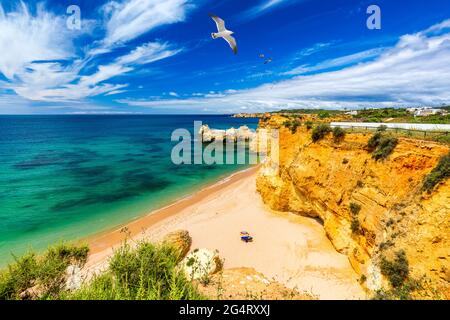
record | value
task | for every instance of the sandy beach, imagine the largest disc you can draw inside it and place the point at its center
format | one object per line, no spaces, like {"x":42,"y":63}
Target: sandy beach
{"x":288,"y":248}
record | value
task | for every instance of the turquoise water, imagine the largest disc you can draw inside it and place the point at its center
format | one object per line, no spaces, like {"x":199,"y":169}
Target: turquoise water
{"x":67,"y":177}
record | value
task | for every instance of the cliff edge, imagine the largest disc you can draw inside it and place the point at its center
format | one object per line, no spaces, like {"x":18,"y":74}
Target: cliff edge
{"x":373,"y":211}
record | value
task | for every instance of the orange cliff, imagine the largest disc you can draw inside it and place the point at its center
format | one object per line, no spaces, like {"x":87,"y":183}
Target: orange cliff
{"x":323,"y":179}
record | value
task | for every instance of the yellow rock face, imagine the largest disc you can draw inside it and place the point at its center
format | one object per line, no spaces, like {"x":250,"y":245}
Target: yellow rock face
{"x":322,"y":180}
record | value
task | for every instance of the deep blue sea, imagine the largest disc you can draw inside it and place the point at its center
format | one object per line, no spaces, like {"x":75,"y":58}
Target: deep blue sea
{"x":68,"y":177}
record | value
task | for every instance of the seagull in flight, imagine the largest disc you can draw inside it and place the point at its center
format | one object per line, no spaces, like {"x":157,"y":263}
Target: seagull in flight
{"x":223,"y":33}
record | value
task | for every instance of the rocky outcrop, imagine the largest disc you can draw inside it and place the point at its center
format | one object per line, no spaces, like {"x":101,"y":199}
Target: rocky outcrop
{"x":201,"y":263}
{"x":243,"y":133}
{"x":180,"y":240}
{"x":326,"y":180}
{"x":248,"y":284}
{"x":74,"y":278}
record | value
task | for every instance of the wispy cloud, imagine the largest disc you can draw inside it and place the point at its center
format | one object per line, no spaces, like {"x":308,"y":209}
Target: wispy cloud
{"x":318,"y":47}
{"x":42,"y":62}
{"x":266,"y":6}
{"x":132,"y":18}
{"x":338,"y":62}
{"x":413,"y":72}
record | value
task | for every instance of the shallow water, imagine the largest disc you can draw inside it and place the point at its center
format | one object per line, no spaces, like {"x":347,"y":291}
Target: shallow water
{"x":67,"y":177}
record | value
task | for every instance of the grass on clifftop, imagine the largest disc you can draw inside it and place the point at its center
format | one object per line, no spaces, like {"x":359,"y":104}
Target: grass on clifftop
{"x":292,"y":125}
{"x":46,"y":274}
{"x":147,"y":272}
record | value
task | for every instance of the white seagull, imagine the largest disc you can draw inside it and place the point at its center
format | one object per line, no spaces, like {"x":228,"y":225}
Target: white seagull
{"x":224,"y":33}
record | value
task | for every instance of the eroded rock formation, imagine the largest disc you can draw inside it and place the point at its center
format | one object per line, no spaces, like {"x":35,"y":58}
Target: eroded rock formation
{"x":369,"y":209}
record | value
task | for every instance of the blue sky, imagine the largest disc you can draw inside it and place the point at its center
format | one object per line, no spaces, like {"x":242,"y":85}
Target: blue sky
{"x":157,"y":56}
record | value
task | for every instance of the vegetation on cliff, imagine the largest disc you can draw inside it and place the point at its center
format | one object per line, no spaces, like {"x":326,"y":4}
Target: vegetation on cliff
{"x":147,"y":272}
{"x":381,"y":145}
{"x":397,"y":271}
{"x":355,"y":224}
{"x":438,"y":174}
{"x":370,"y":209}
{"x":292,"y":125}
{"x":32,"y":276}
{"x":338,"y":134}
{"x":320,"y":132}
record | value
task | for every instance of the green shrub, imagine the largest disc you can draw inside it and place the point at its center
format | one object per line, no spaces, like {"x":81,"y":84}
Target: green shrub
{"x":355,"y":225}
{"x":381,"y":146}
{"x":324,"y":114}
{"x":148,"y":272}
{"x":18,"y":277}
{"x":404,"y":292}
{"x":374,"y":141}
{"x":320,"y":132}
{"x":385,"y":148}
{"x":47,"y":272}
{"x":309,"y":125}
{"x":363,"y":279}
{"x":355,"y":208}
{"x":397,"y":271}
{"x":338,"y":134}
{"x":438,"y":174}
{"x":292,"y":125}
{"x":382,"y":128}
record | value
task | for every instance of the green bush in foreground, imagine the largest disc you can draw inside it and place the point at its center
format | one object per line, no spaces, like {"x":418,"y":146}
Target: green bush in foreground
{"x":148,"y":272}
{"x":438,"y":174}
{"x":45,"y":273}
{"x":320,"y":132}
{"x":309,"y":125}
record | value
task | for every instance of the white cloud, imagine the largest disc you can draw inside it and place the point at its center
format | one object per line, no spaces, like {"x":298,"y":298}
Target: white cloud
{"x":266,"y":6}
{"x":132,"y":18}
{"x":41,"y":63}
{"x":313,"y":49}
{"x":148,"y":53}
{"x":416,"y":71}
{"x":338,"y":62}
{"x":173,"y":94}
{"x":25,"y":38}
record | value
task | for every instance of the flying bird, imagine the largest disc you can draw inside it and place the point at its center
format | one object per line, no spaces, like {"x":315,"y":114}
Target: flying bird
{"x":223,"y":33}
{"x":268,"y":61}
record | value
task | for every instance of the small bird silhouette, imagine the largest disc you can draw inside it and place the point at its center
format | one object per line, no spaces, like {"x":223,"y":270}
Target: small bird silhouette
{"x":224,"y":33}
